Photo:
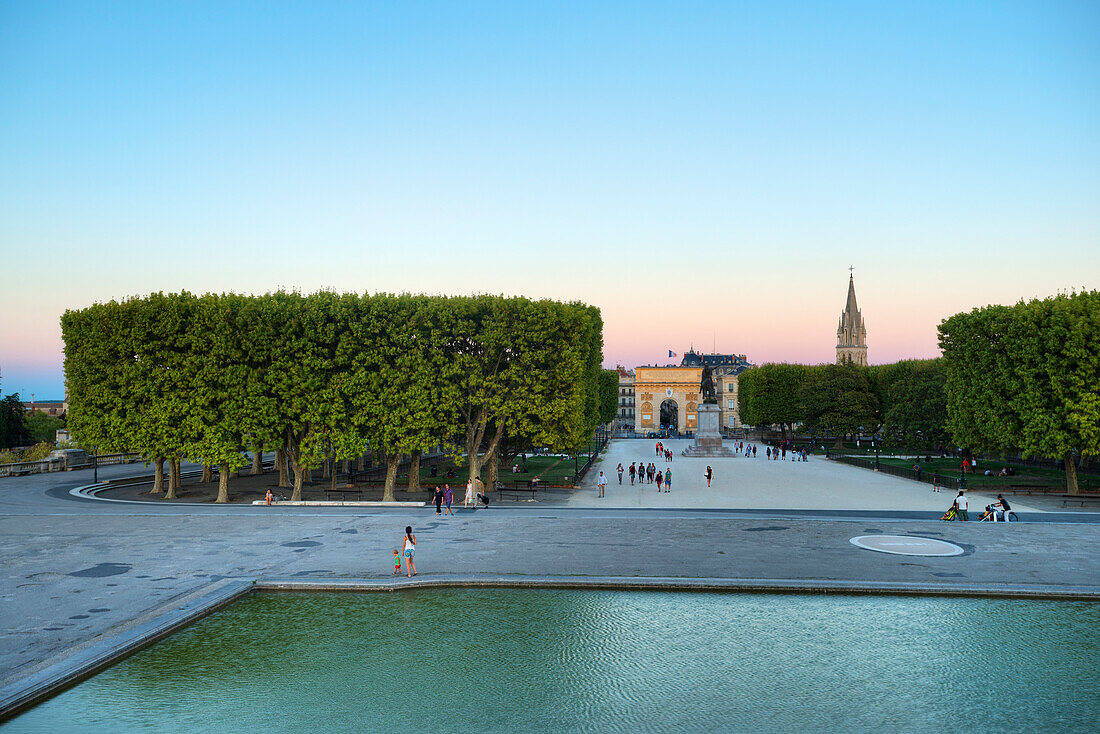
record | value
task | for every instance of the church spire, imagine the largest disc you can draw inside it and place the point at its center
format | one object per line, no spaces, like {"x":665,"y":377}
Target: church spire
{"x":851,"y":333}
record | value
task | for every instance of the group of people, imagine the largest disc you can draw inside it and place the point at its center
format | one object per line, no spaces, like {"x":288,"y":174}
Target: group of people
{"x":960,"y":507}
{"x":660,"y":450}
{"x":444,"y":497}
{"x":646,"y":474}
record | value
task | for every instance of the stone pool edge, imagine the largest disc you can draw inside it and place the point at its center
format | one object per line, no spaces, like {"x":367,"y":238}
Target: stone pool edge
{"x":675,"y":583}
{"x":87,"y":661}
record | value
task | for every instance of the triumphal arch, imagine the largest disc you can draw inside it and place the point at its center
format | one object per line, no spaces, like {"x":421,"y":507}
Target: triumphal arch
{"x":666,"y":397}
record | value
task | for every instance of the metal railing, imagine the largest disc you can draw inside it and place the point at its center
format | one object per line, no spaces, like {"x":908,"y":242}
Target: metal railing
{"x":22,"y":468}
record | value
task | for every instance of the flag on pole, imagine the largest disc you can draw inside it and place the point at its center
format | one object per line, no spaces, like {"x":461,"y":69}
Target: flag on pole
{"x":671,"y":353}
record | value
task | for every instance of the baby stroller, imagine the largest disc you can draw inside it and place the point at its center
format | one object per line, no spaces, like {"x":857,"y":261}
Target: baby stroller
{"x":951,"y":514}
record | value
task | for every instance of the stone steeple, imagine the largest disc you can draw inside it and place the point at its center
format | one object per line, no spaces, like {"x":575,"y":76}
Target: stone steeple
{"x":851,"y":333}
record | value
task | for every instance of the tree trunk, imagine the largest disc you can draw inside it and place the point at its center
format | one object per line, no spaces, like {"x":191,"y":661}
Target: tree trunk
{"x":392,"y":462}
{"x":332,"y":485}
{"x":173,"y":479}
{"x":838,"y":443}
{"x":280,"y":460}
{"x":158,"y":475}
{"x":299,"y":476}
{"x":223,"y":483}
{"x":327,"y":472}
{"x":414,"y":472}
{"x":207,"y":475}
{"x":257,"y":460}
{"x":1071,"y":476}
{"x":493,"y":468}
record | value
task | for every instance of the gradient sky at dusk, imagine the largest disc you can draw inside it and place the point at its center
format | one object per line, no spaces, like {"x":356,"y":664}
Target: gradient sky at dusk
{"x":703,"y":172}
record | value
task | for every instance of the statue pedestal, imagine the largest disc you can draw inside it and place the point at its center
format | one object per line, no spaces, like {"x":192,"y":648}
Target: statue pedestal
{"x":708,"y":441}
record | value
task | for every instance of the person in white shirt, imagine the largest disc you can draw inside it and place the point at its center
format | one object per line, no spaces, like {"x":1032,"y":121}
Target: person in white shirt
{"x":961,"y":505}
{"x":601,"y":483}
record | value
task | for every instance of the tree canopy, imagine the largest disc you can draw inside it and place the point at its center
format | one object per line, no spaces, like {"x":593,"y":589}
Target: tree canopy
{"x":323,"y":376}
{"x":1027,"y":378}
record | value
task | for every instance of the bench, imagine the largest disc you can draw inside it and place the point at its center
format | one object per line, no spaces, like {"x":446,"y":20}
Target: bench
{"x":529,"y":487}
{"x":344,"y":491}
{"x":1080,"y":499}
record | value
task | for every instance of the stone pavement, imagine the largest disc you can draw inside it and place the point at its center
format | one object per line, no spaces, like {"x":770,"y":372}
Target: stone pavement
{"x":72,"y":571}
{"x":816,"y":484}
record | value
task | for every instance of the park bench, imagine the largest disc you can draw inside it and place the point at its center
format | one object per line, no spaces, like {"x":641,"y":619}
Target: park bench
{"x":329,"y":491}
{"x":517,"y":487}
{"x":1080,"y":499}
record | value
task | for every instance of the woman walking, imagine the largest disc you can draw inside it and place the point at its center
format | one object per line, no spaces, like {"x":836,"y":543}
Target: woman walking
{"x":668,"y":480}
{"x":439,"y":500}
{"x":448,"y":497}
{"x":659,"y":478}
{"x":710,"y":474}
{"x":620,"y":470}
{"x":409,"y":550}
{"x":469,"y":500}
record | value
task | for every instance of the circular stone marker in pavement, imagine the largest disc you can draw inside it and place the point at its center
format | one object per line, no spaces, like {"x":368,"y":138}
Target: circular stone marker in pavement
{"x":906,"y":545}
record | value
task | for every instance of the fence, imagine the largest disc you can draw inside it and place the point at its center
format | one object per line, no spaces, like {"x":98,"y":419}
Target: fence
{"x":22,"y":468}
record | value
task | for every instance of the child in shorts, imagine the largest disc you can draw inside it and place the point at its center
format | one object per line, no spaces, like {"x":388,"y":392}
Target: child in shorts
{"x":396,"y":562}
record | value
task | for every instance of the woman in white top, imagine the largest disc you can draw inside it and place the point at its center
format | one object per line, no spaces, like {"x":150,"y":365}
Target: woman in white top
{"x":469,"y":499}
{"x":409,"y":548}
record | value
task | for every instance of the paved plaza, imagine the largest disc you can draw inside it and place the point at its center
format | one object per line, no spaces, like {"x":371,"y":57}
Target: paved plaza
{"x":77,"y":571}
{"x":816,"y":484}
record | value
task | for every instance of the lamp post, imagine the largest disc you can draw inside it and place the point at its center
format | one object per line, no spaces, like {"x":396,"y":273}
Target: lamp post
{"x":95,"y":467}
{"x":875,"y":444}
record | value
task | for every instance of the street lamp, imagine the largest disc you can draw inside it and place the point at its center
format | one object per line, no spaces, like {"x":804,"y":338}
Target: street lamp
{"x":875,"y":444}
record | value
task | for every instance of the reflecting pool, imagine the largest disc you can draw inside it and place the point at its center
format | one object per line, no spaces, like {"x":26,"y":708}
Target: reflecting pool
{"x":567,"y":660}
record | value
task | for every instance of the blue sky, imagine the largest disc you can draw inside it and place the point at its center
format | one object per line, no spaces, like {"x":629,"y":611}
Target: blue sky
{"x":700,"y":171}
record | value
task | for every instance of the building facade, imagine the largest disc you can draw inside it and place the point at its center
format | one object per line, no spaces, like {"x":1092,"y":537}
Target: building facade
{"x":851,"y":333}
{"x":626,"y":397}
{"x":667,"y":398}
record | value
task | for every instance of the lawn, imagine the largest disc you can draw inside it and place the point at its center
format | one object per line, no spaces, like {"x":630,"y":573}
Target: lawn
{"x":550,"y":469}
{"x":1025,"y":475}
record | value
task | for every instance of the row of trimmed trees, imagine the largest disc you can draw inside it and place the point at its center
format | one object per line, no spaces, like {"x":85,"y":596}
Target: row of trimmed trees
{"x":903,"y":401}
{"x":1023,"y":378}
{"x":326,"y":376}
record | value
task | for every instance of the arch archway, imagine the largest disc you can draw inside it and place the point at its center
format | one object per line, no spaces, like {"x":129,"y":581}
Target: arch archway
{"x":670,"y":415}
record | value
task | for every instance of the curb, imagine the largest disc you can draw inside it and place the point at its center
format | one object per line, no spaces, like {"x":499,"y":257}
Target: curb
{"x":662,"y":583}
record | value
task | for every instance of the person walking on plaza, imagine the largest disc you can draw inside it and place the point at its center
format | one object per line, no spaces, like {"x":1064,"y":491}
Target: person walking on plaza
{"x":961,"y":506}
{"x":408,"y":546}
{"x":659,"y":480}
{"x":469,"y":500}
{"x":439,"y":500}
{"x":935,"y":481}
{"x":769,"y":453}
{"x":657,"y":449}
{"x":632,"y":471}
{"x":754,"y":451}
{"x":601,"y":484}
{"x":620,"y":470}
{"x":448,"y":498}
{"x":668,"y":480}
{"x":710,"y":474}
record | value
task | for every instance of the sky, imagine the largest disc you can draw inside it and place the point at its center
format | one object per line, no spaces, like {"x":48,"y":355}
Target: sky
{"x":705,"y":173}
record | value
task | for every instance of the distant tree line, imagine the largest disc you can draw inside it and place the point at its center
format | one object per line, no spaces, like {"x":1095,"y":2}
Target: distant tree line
{"x":903,"y":402}
{"x":328,"y":376}
{"x":1023,"y":378}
